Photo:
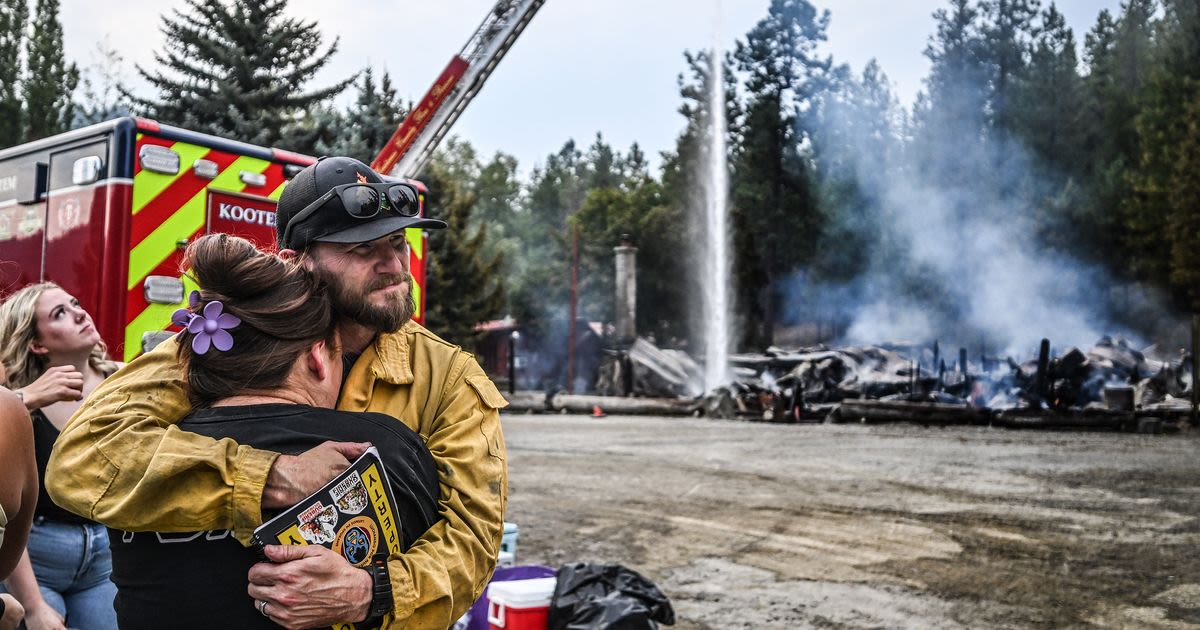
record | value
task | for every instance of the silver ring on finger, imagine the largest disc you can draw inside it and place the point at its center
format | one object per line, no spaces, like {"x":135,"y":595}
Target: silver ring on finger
{"x":262,"y":608}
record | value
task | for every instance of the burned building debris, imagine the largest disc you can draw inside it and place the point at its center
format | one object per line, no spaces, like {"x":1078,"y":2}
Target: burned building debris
{"x":1111,"y":386}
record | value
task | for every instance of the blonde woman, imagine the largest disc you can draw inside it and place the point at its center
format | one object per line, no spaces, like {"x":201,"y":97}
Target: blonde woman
{"x":54,"y":358}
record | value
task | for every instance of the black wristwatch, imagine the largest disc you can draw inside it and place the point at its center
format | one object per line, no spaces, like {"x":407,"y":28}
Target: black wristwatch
{"x":381,"y":591}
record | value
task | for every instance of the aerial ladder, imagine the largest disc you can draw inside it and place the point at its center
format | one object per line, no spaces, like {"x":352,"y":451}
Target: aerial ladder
{"x":410,"y":148}
{"x":420,"y":132}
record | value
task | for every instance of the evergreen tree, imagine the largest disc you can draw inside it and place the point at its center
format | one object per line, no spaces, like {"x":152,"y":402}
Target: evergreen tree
{"x":49,"y":82}
{"x":499,"y":191}
{"x":857,"y":148}
{"x":1163,"y":177}
{"x":684,"y":178}
{"x":634,"y":208}
{"x":368,"y":123}
{"x":603,"y":170}
{"x":501,"y":208}
{"x":633,"y":165}
{"x":951,"y":124}
{"x":538,"y":295}
{"x":1099,"y":55}
{"x":1048,"y":121}
{"x":470,"y":287}
{"x":1051,"y":98}
{"x":1184,"y":198}
{"x":1119,"y":56}
{"x":1133,"y":61}
{"x":682,"y":166}
{"x":238,"y":68}
{"x":1008,"y":33}
{"x":13,"y":18}
{"x":774,"y":204}
{"x":556,"y":190}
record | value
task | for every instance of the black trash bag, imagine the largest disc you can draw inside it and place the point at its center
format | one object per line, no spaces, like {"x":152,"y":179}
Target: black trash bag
{"x":609,"y":596}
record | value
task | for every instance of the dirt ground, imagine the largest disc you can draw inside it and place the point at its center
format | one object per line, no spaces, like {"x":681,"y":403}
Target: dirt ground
{"x":749,"y":525}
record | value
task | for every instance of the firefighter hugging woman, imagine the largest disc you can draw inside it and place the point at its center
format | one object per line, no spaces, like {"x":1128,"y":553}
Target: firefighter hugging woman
{"x":263,"y":366}
{"x":123,"y":461}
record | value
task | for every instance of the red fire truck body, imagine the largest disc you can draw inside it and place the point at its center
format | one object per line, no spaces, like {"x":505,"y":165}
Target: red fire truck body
{"x":106,"y":211}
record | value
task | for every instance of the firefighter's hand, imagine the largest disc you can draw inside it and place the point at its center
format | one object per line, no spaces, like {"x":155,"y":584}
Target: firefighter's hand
{"x":62,"y":382}
{"x":294,"y":477}
{"x":309,"y":586}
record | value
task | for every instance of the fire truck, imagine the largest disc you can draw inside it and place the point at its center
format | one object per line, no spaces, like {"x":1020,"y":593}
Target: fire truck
{"x":106,"y":211}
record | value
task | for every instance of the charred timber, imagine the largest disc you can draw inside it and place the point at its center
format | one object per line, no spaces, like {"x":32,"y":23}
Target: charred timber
{"x":1093,"y":418}
{"x":576,"y":403}
{"x":903,"y":411}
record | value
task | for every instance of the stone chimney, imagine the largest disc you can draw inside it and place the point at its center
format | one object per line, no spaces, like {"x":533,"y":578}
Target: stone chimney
{"x":626,"y":283}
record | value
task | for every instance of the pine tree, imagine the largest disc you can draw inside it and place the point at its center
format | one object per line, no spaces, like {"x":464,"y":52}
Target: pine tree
{"x":1099,"y":55}
{"x":238,"y":68}
{"x":952,"y":122}
{"x":1050,"y":100}
{"x":684,"y":177}
{"x":634,"y":207}
{"x":1160,"y":124}
{"x":1132,"y":63}
{"x":774,"y":202}
{"x":1118,"y":53}
{"x":500,"y":207}
{"x":49,"y":82}
{"x":499,"y":192}
{"x":13,"y":17}
{"x":556,"y":190}
{"x":1008,"y":33}
{"x":1048,"y":121}
{"x":857,"y":152}
{"x":603,"y":169}
{"x":368,"y":123}
{"x":1184,"y":197}
{"x":470,"y":286}
{"x":1161,"y":209}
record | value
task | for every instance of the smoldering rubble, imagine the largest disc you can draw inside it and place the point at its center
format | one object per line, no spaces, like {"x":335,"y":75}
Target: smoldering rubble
{"x":1110,"y":385}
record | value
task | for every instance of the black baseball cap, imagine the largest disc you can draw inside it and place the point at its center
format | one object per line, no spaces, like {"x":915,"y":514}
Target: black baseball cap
{"x":331,"y":223}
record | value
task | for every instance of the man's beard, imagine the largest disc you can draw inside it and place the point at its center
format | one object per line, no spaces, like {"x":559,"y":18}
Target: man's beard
{"x":396,"y":310}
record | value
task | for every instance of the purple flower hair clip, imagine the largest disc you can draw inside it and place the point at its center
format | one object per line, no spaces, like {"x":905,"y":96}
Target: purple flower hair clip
{"x":182,"y":316}
{"x":210,"y":329}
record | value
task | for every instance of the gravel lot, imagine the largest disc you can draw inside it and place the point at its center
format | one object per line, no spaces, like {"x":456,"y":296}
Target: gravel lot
{"x":850,"y":526}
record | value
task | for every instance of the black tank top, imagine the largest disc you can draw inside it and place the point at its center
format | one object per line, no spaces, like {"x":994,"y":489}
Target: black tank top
{"x":44,"y":435}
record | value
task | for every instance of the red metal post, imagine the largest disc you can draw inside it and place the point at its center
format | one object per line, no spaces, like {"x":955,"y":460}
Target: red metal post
{"x":574,"y":298}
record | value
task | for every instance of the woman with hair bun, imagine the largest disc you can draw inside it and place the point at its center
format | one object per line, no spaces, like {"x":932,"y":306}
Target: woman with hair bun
{"x":263,"y":368}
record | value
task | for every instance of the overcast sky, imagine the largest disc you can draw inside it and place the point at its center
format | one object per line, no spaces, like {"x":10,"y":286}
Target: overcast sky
{"x":580,"y":67}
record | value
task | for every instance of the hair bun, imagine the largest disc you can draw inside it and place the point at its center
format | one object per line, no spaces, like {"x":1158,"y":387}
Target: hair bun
{"x":282,"y":306}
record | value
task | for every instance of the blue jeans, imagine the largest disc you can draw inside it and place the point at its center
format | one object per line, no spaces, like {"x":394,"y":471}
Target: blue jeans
{"x":72,"y":564}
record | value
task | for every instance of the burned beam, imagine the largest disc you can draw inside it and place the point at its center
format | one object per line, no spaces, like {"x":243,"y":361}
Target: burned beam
{"x":918,"y":412}
{"x":577,"y":403}
{"x":1093,"y":418}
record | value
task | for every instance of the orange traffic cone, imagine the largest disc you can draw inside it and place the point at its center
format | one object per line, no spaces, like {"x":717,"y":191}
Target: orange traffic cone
{"x":597,"y":412}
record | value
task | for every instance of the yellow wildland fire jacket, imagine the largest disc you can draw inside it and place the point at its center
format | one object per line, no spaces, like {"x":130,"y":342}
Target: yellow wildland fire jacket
{"x":122,"y":462}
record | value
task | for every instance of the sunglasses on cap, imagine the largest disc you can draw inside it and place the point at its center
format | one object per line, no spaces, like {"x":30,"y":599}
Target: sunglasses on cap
{"x":362,"y":200}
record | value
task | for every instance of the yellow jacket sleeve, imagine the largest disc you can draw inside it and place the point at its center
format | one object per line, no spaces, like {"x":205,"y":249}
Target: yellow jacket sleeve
{"x":120,"y":459}
{"x":446,"y":570}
